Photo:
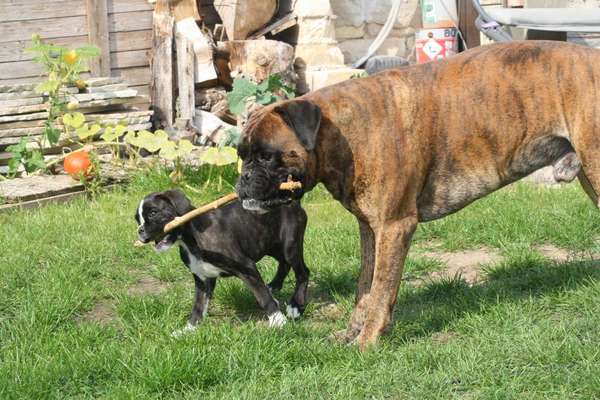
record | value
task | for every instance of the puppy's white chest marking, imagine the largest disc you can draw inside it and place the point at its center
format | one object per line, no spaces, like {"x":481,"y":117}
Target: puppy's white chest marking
{"x":199,"y":267}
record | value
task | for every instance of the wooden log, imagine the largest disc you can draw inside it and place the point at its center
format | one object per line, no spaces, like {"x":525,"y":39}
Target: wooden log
{"x":185,"y":77}
{"x":161,"y":87}
{"x":241,"y":18}
{"x":183,"y":9}
{"x":97,"y":22}
{"x":257,"y":59}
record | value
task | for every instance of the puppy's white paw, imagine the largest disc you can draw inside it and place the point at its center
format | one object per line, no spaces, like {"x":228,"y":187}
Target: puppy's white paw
{"x":292,"y":312}
{"x":188,"y":328}
{"x":277,"y":320}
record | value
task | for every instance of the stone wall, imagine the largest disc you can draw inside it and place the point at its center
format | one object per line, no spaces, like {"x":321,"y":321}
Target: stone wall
{"x":359,"y":21}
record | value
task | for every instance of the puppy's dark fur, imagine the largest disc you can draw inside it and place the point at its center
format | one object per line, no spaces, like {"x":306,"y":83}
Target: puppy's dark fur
{"x":229,"y":241}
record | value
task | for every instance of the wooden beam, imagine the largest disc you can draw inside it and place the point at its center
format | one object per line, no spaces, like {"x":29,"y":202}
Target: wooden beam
{"x":161,"y":87}
{"x":466,"y":17}
{"x":185,"y":77}
{"x":183,"y":9}
{"x":97,"y":22}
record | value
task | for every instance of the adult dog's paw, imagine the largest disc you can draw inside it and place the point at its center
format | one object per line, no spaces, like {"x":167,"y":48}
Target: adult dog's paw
{"x":184,"y":331}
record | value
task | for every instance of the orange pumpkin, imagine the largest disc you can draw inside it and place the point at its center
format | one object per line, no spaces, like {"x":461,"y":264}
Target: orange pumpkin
{"x":77,"y":163}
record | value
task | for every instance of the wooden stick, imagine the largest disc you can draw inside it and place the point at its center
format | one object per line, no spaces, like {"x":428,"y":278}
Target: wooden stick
{"x":178,"y":221}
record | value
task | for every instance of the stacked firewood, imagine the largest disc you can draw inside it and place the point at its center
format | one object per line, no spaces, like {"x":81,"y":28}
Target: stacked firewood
{"x":106,"y":101}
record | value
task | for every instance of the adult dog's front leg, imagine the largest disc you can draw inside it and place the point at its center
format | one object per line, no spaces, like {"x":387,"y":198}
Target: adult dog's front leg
{"x":391,"y":246}
{"x":367,"y":266}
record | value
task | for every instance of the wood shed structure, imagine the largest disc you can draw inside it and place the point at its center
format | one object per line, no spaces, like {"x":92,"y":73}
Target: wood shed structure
{"x":122,"y":29}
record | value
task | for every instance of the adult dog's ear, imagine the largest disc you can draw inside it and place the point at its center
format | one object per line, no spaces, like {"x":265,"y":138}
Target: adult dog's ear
{"x":304,"y":118}
{"x":178,"y":200}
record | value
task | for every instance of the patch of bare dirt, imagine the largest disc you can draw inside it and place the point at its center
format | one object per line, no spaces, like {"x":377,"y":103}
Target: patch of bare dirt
{"x":554,"y":253}
{"x":443,"y":337}
{"x":466,"y":264}
{"x":103,"y":313}
{"x":328,"y":312}
{"x":147,"y":285}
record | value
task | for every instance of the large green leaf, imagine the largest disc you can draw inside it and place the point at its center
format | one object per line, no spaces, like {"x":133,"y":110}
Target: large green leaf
{"x":219,"y":156}
{"x":50,"y":85}
{"x":153,"y":142}
{"x":242,"y":89}
{"x":172,"y":151}
{"x":86,"y":131}
{"x":74,"y":120}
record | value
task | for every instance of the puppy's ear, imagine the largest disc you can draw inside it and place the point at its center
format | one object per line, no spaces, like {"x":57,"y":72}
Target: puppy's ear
{"x":178,"y":200}
{"x":304,"y":118}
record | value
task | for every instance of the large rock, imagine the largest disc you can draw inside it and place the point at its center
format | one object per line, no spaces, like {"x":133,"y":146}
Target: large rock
{"x":349,"y":32}
{"x":356,"y":12}
{"x":392,"y":46}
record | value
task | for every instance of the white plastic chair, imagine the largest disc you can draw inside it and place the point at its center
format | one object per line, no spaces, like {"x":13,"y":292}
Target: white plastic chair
{"x":493,"y":21}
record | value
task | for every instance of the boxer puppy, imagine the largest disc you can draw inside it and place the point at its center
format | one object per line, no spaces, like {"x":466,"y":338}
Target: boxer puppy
{"x":228,"y":241}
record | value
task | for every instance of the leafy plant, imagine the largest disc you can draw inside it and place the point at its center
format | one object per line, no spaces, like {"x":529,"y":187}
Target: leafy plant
{"x":31,"y":160}
{"x":63,"y":67}
{"x":266,"y":92}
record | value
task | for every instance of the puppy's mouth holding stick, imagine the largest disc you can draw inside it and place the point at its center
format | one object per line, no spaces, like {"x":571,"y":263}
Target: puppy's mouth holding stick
{"x":166,"y":241}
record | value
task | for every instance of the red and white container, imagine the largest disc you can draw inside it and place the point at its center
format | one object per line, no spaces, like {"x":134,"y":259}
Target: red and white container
{"x":436,"y":44}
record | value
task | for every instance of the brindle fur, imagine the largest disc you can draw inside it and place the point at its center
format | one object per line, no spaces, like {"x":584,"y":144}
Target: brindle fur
{"x":412,"y":145}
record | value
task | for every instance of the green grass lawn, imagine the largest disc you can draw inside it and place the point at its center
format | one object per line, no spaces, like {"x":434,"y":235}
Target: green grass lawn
{"x":530,"y":330}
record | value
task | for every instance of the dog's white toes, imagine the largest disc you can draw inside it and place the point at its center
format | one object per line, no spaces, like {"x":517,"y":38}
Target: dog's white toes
{"x":184,"y":331}
{"x":292,"y":312}
{"x":277,"y":320}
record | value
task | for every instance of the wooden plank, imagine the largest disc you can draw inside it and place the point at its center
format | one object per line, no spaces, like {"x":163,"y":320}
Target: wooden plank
{"x":61,"y":198}
{"x":119,"y":41}
{"x":22,"y":109}
{"x":134,"y":76}
{"x":46,"y":28}
{"x":131,"y":21}
{"x":120,"y":6}
{"x":162,"y":69}
{"x":33,"y":204}
{"x":24,"y":11}
{"x":466,"y":16}
{"x":35,"y":187}
{"x":30,"y":10}
{"x":20,"y":69}
{"x":24,"y":117}
{"x":127,"y":59}
{"x":185,"y":77}
{"x":127,"y":41}
{"x":28,"y":101}
{"x":97,"y":23}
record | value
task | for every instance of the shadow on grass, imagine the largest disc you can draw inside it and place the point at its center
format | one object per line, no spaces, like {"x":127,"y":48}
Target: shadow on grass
{"x":421,"y":312}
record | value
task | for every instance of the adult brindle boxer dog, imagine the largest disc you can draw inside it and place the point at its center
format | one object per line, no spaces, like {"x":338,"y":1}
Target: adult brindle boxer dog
{"x":413,"y":145}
